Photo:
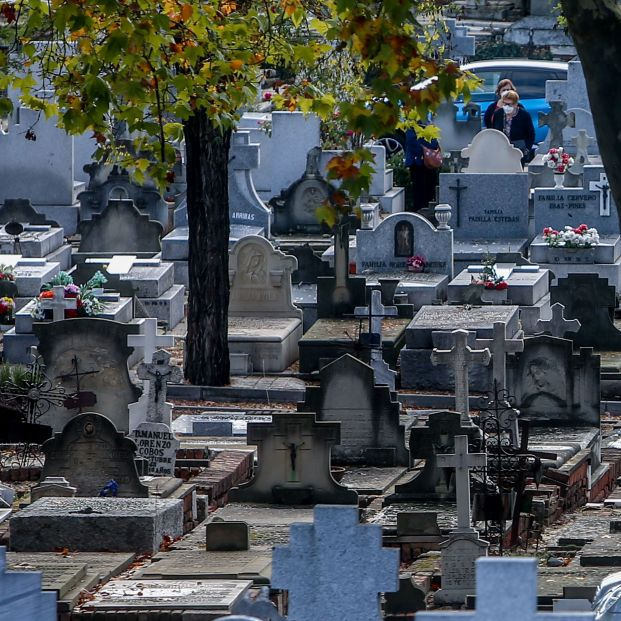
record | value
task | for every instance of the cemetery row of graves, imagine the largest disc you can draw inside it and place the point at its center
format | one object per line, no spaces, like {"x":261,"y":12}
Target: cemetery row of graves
{"x":422,"y":413}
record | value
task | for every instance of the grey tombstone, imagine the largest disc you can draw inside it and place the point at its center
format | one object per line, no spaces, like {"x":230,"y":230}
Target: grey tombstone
{"x":227,"y":536}
{"x":591,"y":300}
{"x":454,"y":37}
{"x":460,"y":356}
{"x":455,"y":134}
{"x":399,"y":237}
{"x":553,"y":385}
{"x":22,"y":595}
{"x":487,"y":206}
{"x":409,"y":599}
{"x":159,"y":372}
{"x":595,"y":179}
{"x":310,"y":266}
{"x":371,"y":433}
{"x":495,"y":601}
{"x":311,"y":567}
{"x":557,"y":325}
{"x":581,"y":158}
{"x":556,"y":120}
{"x":428,"y":443}
{"x":120,"y":229}
{"x":294,"y":463}
{"x":88,"y":356}
{"x":499,"y":346}
{"x":52,"y":486}
{"x":245,"y":206}
{"x":156,"y":443}
{"x":459,"y":553}
{"x":21,"y":210}
{"x":295,"y":210}
{"x":258,"y":605}
{"x":90,"y":452}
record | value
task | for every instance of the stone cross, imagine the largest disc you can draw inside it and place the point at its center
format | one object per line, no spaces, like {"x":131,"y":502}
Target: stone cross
{"x":59,"y":303}
{"x":460,"y":356}
{"x":462,"y":461}
{"x":495,"y":601}
{"x":604,"y":193}
{"x":312,"y":566}
{"x":557,"y":120}
{"x":458,"y":43}
{"x":159,"y":372}
{"x":500,"y":346}
{"x":558,"y":325}
{"x":375,"y":312}
{"x":581,"y":159}
{"x":149,"y":340}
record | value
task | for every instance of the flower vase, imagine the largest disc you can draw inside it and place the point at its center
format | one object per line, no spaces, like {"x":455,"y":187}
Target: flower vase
{"x":558,"y":180}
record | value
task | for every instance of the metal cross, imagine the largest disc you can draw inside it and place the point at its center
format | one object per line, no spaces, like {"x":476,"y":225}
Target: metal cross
{"x":604,"y":193}
{"x":557,"y":120}
{"x":459,"y":357}
{"x":458,"y":188}
{"x":462,"y":461}
{"x":59,"y":303}
{"x":500,"y":346}
{"x":78,"y":399}
{"x":558,"y":325}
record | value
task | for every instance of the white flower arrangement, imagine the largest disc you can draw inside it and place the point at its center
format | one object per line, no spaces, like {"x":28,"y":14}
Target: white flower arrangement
{"x":559,"y":160}
{"x":579,"y":237}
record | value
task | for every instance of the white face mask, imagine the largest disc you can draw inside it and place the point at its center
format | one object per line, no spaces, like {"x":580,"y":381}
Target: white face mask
{"x":508,"y":109}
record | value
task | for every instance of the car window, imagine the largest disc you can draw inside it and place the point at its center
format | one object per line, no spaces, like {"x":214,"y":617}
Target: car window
{"x":490,"y":78}
{"x":531,"y":83}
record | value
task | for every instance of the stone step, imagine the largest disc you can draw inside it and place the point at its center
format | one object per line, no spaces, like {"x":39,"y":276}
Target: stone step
{"x":393,"y":201}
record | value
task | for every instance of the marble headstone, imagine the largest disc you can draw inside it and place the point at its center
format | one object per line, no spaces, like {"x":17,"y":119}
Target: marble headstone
{"x":491,"y":152}
{"x":156,"y":443}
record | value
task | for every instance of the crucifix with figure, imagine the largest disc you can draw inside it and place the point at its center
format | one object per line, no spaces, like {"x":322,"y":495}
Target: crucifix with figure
{"x":602,"y":186}
{"x":159,"y":372}
{"x":460,"y":356}
{"x":294,"y":441}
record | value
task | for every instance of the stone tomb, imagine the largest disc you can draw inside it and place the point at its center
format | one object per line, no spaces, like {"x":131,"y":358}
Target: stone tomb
{"x":96,"y":524}
{"x":417,"y":370}
{"x":119,"y":229}
{"x":592,"y":301}
{"x":384,"y":251}
{"x":89,"y":358}
{"x":263,"y":322}
{"x":312,"y":566}
{"x":22,"y":591}
{"x":294,"y":463}
{"x":89,"y":452}
{"x":30,"y":276}
{"x":370,"y":430}
{"x":552,"y":384}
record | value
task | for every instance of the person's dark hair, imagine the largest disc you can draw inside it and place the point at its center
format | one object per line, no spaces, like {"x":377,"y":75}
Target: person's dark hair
{"x":502,"y":84}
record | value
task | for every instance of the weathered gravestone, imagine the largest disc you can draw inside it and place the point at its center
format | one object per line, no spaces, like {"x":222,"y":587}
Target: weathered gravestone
{"x":21,"y":210}
{"x":499,"y":346}
{"x":311,"y":568}
{"x":294,"y":463}
{"x":552,"y":384}
{"x":409,"y":599}
{"x":310,"y":266}
{"x":495,"y":601}
{"x":370,"y":430}
{"x":591,"y":300}
{"x":88,"y":357}
{"x":491,"y":152}
{"x":227,"y":536}
{"x":263,"y":321}
{"x":428,"y":443}
{"x":21,"y":595}
{"x":156,"y":443}
{"x":295,"y":209}
{"x":463,"y":547}
{"x":89,"y":452}
{"x":55,"y":487}
{"x":120,"y":229}
{"x":557,"y":325}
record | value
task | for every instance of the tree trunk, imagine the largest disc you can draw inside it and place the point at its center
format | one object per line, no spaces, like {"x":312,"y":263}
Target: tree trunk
{"x":595,"y":27}
{"x":206,"y":347}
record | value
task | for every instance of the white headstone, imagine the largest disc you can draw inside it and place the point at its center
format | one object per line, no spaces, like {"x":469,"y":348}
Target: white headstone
{"x":491,"y":152}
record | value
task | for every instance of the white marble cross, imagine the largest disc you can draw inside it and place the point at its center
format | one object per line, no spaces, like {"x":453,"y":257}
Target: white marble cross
{"x":558,"y":325}
{"x":603,"y":188}
{"x":121,"y":264}
{"x":159,"y":373}
{"x":500,"y":346}
{"x":462,"y":461}
{"x":459,"y":357}
{"x":149,"y":340}
{"x":59,"y":303}
{"x":581,"y":159}
{"x":375,"y":312}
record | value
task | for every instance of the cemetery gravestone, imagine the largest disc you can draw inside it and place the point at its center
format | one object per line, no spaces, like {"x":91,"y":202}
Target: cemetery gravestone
{"x":552,"y":384}
{"x":557,"y":325}
{"x":370,"y":430}
{"x":311,"y":567}
{"x":294,"y":463}
{"x":88,"y":356}
{"x":155,"y":442}
{"x":499,"y":346}
{"x":491,"y":152}
{"x":21,"y":210}
{"x":159,"y":372}
{"x":52,"y":486}
{"x":227,"y":536}
{"x":90,"y":452}
{"x":456,"y":135}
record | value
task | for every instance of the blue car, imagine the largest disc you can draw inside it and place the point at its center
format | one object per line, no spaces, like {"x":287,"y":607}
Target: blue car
{"x":529,"y":78}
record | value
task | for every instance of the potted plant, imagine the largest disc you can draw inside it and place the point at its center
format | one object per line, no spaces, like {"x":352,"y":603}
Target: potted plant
{"x":560,"y":161}
{"x":494,"y":286}
{"x":571,"y":244}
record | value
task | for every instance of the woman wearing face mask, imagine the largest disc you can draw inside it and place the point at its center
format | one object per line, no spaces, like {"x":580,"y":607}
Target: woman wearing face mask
{"x":516,"y":124}
{"x":504,"y":86}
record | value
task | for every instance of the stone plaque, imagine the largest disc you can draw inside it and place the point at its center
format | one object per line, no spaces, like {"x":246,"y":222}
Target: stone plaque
{"x":90,"y":452}
{"x":156,"y":443}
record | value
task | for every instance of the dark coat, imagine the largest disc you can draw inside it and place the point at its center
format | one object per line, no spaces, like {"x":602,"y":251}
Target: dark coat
{"x":414,"y":148}
{"x":487,"y":117}
{"x":522,"y":127}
